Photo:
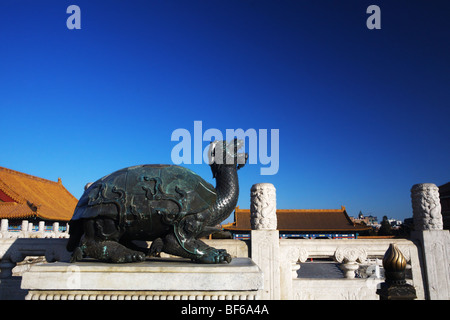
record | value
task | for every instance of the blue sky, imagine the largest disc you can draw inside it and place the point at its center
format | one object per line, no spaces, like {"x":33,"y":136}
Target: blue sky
{"x":362,"y":114}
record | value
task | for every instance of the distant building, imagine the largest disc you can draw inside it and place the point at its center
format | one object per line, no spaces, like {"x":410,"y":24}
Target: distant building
{"x":444,"y":195}
{"x":395,"y":222}
{"x":24,"y":197}
{"x":302,"y":223}
{"x":367,"y":220}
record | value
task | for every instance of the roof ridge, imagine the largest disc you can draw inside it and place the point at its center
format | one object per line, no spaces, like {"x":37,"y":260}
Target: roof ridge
{"x":65,"y":189}
{"x":26,"y":175}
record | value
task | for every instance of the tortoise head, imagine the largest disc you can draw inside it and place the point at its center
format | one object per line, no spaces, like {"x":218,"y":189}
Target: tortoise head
{"x":222,"y":153}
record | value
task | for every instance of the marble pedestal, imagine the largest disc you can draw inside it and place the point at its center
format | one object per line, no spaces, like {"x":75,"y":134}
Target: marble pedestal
{"x":153,"y":279}
{"x":436,"y":261}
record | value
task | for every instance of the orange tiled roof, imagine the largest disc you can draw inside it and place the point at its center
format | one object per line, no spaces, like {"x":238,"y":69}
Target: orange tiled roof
{"x":305,"y":220}
{"x":24,"y":195}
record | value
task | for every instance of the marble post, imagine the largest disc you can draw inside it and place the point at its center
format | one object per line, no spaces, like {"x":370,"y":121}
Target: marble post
{"x":434,"y":241}
{"x":265,"y":238}
{"x":426,"y":207}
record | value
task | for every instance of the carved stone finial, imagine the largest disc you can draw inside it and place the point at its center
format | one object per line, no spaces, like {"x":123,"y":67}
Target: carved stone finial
{"x":426,"y":207}
{"x":263,"y":207}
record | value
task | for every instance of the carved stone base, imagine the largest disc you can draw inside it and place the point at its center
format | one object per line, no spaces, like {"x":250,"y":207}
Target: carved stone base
{"x":402,"y":291}
{"x":162,"y":279}
{"x":140,"y":295}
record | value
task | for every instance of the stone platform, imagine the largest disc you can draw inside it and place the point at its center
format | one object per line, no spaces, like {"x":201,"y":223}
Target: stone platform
{"x":153,"y":279}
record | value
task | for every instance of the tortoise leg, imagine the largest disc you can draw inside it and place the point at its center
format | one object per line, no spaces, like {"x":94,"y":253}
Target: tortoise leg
{"x":184,"y":242}
{"x":196,"y":250}
{"x":156,"y":248}
{"x":111,"y":251}
{"x":101,"y":242}
{"x":136,"y":245}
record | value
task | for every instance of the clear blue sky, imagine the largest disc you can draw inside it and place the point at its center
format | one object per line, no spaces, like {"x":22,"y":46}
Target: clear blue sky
{"x":362,"y":114}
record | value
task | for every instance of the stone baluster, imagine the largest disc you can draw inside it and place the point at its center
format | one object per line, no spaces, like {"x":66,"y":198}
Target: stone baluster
{"x":24,"y":229}
{"x":265,"y":237}
{"x":350,"y":259}
{"x":56,"y":229}
{"x":290,"y":260}
{"x":41,"y":229}
{"x":4,"y":228}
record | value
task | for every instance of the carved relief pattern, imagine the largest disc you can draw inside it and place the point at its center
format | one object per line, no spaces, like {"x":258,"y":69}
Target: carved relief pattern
{"x":350,"y":255}
{"x":133,"y":295}
{"x":426,"y":207}
{"x":295,"y":254}
{"x":263,"y":207}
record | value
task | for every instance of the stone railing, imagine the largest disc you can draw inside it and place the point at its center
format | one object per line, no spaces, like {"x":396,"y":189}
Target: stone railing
{"x":27,"y":230}
{"x":427,"y":254}
{"x":351,"y":254}
{"x":13,"y":251}
{"x":279,"y":259}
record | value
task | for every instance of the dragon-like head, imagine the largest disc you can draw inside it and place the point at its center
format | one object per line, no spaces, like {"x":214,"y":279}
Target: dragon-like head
{"x":222,"y":153}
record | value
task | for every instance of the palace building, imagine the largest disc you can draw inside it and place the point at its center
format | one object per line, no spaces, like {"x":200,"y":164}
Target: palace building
{"x":24,"y":197}
{"x":302,"y":223}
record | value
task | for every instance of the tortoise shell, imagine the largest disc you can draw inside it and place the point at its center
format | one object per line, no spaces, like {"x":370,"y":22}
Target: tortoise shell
{"x":146,"y":192}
